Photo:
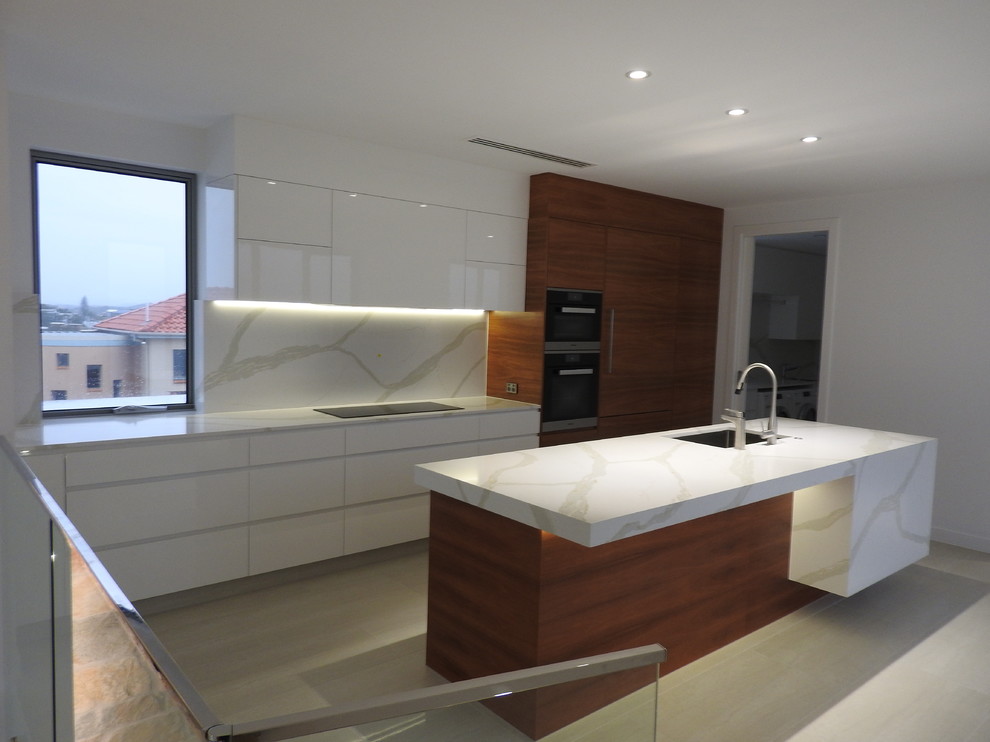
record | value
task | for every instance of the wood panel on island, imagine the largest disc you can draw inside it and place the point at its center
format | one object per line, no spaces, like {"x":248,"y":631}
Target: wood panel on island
{"x":656,"y":261}
{"x":694,"y":587}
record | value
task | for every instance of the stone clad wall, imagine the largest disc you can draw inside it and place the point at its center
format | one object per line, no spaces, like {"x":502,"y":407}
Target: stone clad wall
{"x":118,"y":694}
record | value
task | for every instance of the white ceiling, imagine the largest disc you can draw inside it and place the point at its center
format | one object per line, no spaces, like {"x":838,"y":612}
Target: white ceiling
{"x":899,"y":90}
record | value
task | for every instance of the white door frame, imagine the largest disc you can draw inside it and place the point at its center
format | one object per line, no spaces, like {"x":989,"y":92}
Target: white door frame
{"x":740,"y":257}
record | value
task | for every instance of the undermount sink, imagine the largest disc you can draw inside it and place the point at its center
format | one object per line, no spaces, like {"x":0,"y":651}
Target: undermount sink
{"x":719,"y":438}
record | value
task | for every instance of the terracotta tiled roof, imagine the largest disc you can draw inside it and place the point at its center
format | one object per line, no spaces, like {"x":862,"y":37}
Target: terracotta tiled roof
{"x":167,"y":317}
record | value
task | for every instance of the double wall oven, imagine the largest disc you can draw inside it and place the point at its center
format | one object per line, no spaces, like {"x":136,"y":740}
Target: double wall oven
{"x":572,"y":346}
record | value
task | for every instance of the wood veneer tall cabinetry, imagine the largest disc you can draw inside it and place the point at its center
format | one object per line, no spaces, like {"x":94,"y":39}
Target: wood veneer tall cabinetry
{"x":656,"y":260}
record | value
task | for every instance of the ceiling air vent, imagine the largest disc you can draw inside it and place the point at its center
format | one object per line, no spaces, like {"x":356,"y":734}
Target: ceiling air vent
{"x":531,"y":153}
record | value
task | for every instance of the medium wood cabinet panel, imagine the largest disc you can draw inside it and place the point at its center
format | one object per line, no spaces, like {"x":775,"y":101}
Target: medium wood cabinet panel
{"x":561,"y":197}
{"x":640,"y":302}
{"x":697,"y":320}
{"x":576,"y":255}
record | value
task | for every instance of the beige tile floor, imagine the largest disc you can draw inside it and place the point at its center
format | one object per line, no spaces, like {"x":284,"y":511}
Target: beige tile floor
{"x":907,"y":659}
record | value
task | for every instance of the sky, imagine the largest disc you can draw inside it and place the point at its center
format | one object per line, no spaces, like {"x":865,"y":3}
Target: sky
{"x":116,"y":239}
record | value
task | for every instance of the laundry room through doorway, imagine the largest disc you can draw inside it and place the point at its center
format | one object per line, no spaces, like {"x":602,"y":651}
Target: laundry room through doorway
{"x":786,"y":321}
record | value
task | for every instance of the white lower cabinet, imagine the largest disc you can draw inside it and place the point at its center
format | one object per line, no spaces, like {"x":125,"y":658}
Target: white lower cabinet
{"x":120,"y":463}
{"x":50,"y":469}
{"x":504,"y":445}
{"x":154,"y":568}
{"x":136,"y":511}
{"x":301,"y":539}
{"x":373,"y":525}
{"x":297,"y":487}
{"x":175,"y":515}
{"x":388,"y":474}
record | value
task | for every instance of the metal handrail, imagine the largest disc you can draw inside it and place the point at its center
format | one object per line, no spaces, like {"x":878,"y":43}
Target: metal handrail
{"x":291,"y":726}
{"x":201,"y":713}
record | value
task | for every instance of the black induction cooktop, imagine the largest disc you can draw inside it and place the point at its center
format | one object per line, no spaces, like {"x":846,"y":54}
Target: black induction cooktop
{"x":398,"y":408}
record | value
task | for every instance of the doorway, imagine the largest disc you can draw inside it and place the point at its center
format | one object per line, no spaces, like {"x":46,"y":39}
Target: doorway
{"x":783,"y":303}
{"x":785,"y":322}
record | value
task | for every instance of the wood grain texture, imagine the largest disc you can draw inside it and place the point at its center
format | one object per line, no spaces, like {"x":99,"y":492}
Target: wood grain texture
{"x":537,"y":255}
{"x":564,"y":197}
{"x":640,"y":304}
{"x":576,"y":255}
{"x":699,"y":265}
{"x":515,"y":354}
{"x":505,"y":596}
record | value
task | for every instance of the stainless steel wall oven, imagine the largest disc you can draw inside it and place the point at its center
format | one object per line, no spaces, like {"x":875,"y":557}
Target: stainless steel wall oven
{"x":570,"y":390}
{"x":573,"y":319}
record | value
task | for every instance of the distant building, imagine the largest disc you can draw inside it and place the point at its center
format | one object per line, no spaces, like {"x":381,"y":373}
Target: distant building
{"x":140,"y":353}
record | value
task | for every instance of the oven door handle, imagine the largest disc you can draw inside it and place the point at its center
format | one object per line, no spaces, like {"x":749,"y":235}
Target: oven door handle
{"x":575,"y":371}
{"x":577,"y":310}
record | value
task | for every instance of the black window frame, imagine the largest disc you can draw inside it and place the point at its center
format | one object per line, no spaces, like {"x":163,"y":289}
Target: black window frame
{"x":191,"y":182}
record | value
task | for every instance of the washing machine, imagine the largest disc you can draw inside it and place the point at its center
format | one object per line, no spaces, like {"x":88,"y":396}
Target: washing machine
{"x":799,"y":402}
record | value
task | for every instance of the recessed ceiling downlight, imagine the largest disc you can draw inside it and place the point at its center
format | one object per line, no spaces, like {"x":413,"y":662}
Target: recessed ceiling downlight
{"x":737,"y":111}
{"x":810,"y":139}
{"x":638,"y":74}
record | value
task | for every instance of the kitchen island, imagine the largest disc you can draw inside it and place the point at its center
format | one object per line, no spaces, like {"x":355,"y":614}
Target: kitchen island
{"x":549,"y":554}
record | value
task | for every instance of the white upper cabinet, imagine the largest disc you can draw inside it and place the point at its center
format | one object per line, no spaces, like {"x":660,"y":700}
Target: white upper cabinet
{"x":283,"y":241}
{"x":267,"y":241}
{"x":277,"y":241}
{"x":275,"y":211}
{"x":277,"y":271}
{"x":393,"y":253}
{"x":496,"y":262}
{"x":492,"y":238}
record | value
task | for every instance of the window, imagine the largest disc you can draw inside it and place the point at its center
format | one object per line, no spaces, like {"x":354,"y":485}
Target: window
{"x":94,"y":376}
{"x":114,"y":257}
{"x":179,"y":365}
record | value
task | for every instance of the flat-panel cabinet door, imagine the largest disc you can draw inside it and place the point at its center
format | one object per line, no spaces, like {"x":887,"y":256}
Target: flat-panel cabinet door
{"x":639,"y":307}
{"x":275,"y":211}
{"x":393,"y":253}
{"x":276,"y":271}
{"x":497,"y":286}
{"x":575,"y":255}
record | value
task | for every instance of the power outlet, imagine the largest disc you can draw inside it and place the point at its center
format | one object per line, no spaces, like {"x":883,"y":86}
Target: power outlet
{"x":512,"y":387}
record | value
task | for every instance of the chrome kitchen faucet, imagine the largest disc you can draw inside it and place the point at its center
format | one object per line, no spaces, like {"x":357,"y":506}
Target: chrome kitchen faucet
{"x":769,"y":434}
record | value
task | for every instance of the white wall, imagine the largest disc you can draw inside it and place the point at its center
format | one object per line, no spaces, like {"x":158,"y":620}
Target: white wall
{"x":6,"y":353}
{"x":6,"y":271}
{"x":911,"y":328}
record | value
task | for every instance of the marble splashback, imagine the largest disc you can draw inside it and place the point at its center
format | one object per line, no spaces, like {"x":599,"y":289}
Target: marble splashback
{"x":273,"y":356}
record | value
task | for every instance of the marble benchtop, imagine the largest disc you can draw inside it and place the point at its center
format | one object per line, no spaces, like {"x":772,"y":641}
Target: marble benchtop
{"x":49,"y":435}
{"x":601,"y":491}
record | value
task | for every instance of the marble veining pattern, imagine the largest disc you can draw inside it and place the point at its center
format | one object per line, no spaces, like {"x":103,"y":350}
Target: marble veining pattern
{"x":74,"y":433}
{"x":862,"y":506}
{"x":261,"y":358}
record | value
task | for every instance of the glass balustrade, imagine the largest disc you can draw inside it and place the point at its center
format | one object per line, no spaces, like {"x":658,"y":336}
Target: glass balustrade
{"x":72,"y":639}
